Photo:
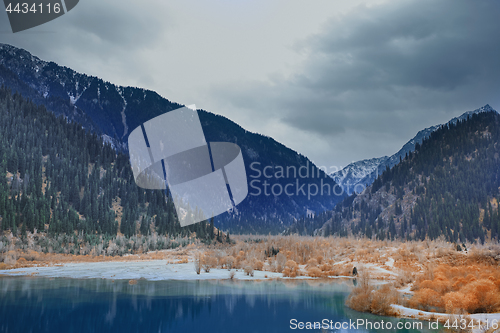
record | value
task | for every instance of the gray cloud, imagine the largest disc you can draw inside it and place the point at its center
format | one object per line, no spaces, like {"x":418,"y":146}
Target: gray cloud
{"x":384,"y":72}
{"x":105,"y":38}
{"x":437,"y":45}
{"x":371,"y":76}
{"x":126,"y":25}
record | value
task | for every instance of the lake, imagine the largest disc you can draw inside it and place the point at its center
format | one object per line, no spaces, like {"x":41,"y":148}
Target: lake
{"x":99,"y":305}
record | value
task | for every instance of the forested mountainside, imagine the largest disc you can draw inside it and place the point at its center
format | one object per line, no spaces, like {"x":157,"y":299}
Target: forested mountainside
{"x":113,"y":111}
{"x":59,"y":178}
{"x":365,"y":172}
{"x":449,"y":186}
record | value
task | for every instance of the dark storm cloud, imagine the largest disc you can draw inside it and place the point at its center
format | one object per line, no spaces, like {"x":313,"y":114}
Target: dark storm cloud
{"x":389,"y":58}
{"x":432,"y":44}
{"x":389,"y":70}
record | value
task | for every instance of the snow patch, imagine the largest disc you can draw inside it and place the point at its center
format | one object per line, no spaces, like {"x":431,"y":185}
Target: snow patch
{"x":108,"y":139}
{"x":390,"y":262}
{"x":380,"y":270}
{"x":252,"y":153}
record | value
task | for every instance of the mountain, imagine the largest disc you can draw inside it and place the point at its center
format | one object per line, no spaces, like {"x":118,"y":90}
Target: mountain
{"x":113,"y":111}
{"x":364,"y":172}
{"x":449,"y":186}
{"x":361,"y":172}
{"x":62,"y":181}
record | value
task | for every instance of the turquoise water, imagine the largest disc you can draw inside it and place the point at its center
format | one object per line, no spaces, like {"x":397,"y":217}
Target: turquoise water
{"x":96,"y":305}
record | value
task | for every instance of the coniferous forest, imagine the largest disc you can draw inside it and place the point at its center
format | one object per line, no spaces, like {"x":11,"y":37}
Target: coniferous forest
{"x":113,"y":111}
{"x":63,"y":181}
{"x":449,"y":186}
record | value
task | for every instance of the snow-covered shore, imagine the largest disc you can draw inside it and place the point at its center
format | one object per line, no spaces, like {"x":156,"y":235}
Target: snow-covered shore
{"x":486,"y":320}
{"x":152,"y":270}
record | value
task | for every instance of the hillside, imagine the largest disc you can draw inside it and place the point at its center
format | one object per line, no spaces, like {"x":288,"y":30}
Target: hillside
{"x":58,"y":179}
{"x":449,"y":186}
{"x":364,"y":172}
{"x":113,"y":111}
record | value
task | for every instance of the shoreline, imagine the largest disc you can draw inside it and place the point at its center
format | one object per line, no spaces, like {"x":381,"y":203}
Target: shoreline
{"x":148,"y":269}
{"x":489,"y":322}
{"x":166,"y":270}
{"x":391,"y":273}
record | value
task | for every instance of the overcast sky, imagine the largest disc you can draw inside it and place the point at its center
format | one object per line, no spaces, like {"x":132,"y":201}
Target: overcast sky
{"x":338,"y":81}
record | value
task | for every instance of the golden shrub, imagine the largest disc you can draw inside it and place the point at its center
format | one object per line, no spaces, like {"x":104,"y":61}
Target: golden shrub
{"x":248,"y":270}
{"x":229,"y":262}
{"x":454,"y":302}
{"x":10,"y":258}
{"x":326,"y":267}
{"x":426,"y":298}
{"x":280,"y":262}
{"x":208,"y":262}
{"x":481,"y":296}
{"x":291,"y":264}
{"x":466,"y":288}
{"x":382,"y":298}
{"x":258,"y":265}
{"x":360,"y":297}
{"x":291,"y":269}
{"x":314,"y":272}
{"x":312,"y":263}
{"x":458,"y":283}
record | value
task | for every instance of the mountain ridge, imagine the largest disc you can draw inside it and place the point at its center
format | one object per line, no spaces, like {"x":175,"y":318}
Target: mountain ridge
{"x":449,"y":186}
{"x":364,"y":172}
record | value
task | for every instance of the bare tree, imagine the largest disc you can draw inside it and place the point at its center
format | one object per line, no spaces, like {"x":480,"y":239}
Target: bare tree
{"x":197,"y":262}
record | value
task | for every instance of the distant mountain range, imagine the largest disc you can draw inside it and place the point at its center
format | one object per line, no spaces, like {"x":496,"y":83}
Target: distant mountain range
{"x":364,"y":172}
{"x":114,"y":111}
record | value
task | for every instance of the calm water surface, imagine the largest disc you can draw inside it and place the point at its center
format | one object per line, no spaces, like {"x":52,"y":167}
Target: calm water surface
{"x":95,"y":305}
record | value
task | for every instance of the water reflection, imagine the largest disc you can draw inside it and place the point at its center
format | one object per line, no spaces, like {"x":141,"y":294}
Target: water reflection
{"x":96,"y":305}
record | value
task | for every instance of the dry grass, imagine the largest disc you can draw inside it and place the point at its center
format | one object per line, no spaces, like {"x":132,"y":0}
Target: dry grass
{"x":29,"y":258}
{"x":464,"y":288}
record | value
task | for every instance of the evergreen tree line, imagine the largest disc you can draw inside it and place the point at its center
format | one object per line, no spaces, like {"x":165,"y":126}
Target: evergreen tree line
{"x":60,"y":178}
{"x":459,"y":172}
{"x":454,"y":175}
